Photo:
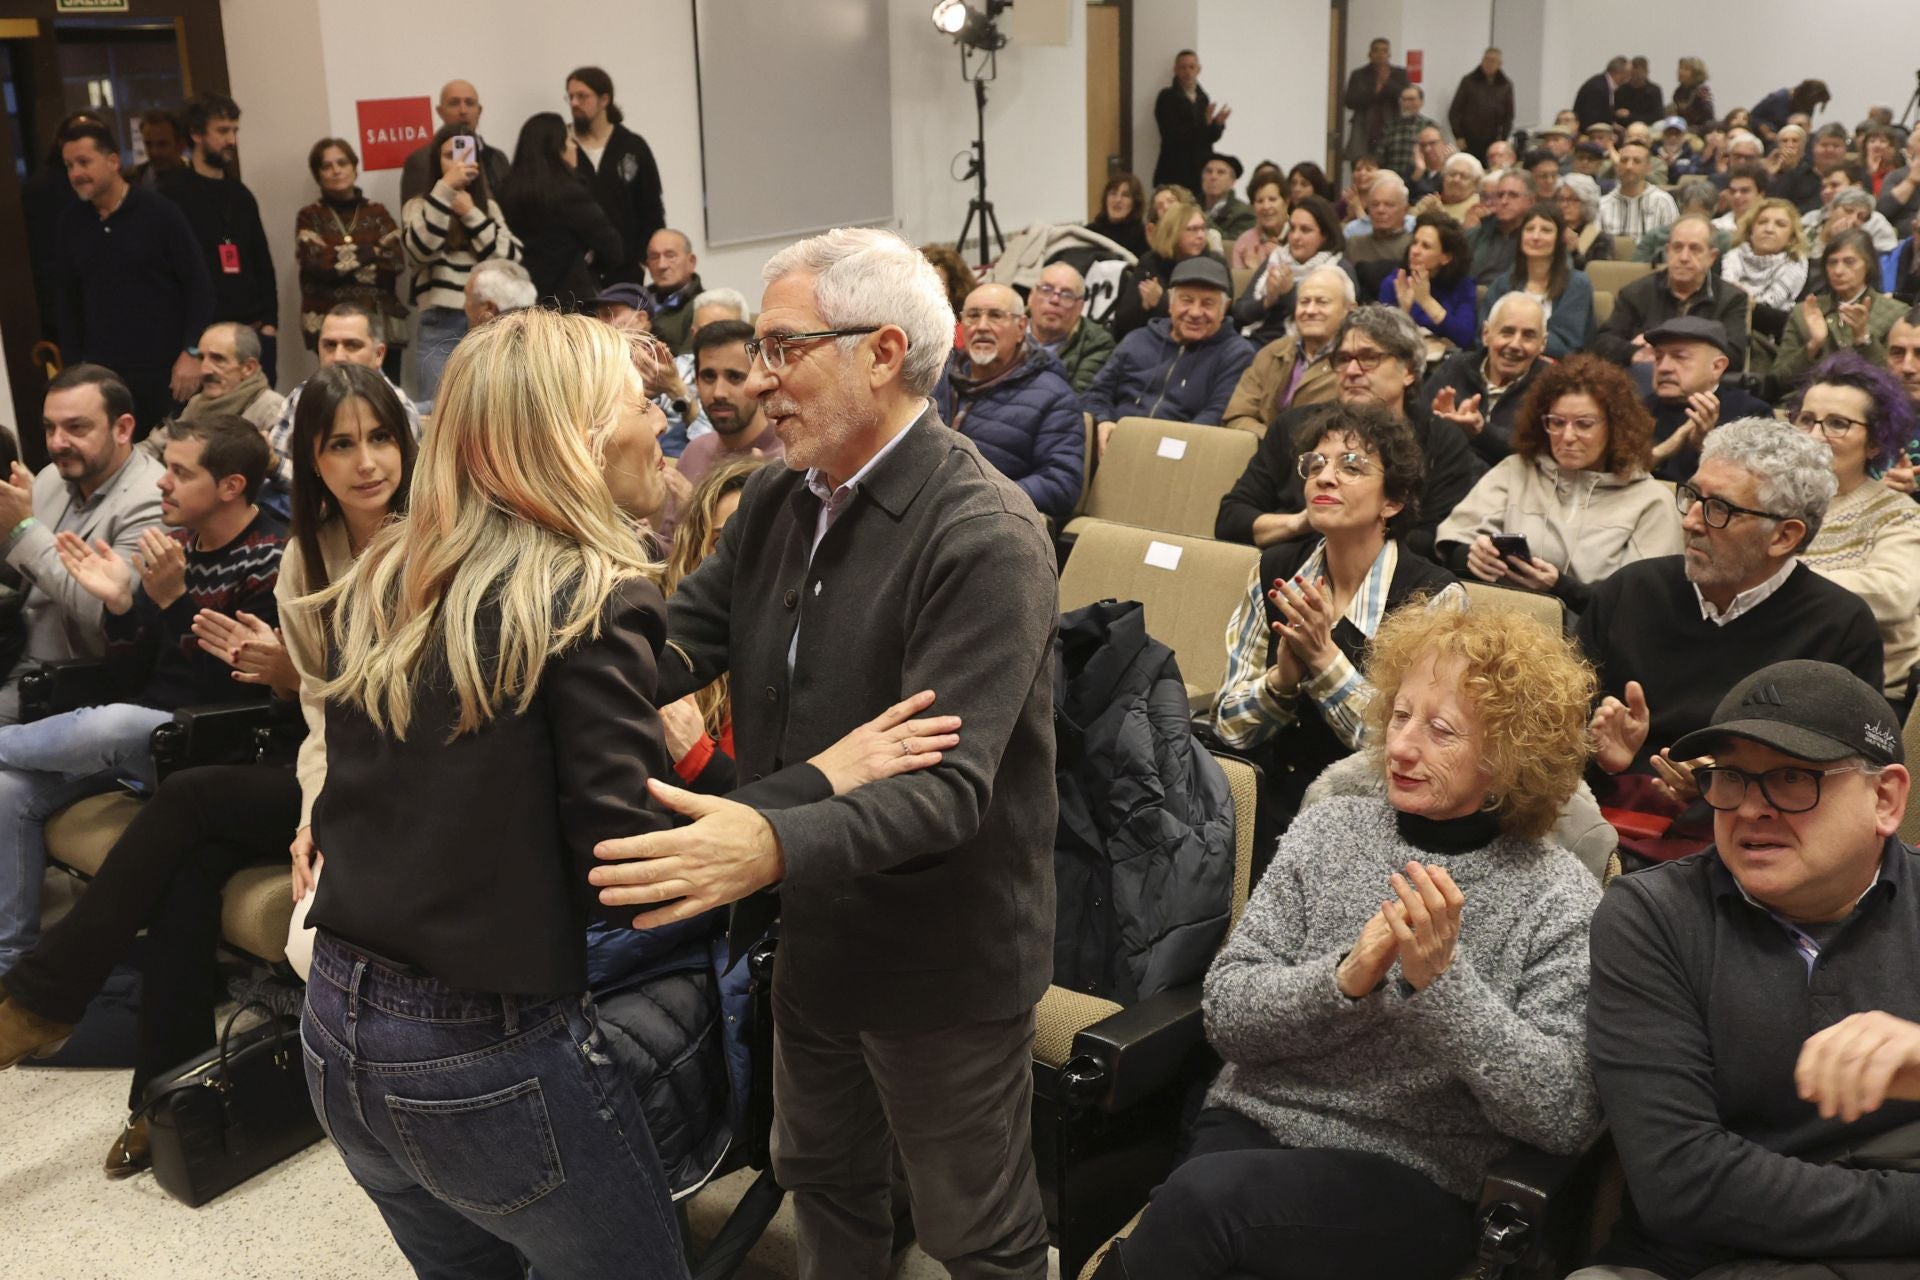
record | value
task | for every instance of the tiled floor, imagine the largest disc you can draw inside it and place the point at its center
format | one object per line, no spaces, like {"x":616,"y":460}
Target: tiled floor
{"x":61,"y":1219}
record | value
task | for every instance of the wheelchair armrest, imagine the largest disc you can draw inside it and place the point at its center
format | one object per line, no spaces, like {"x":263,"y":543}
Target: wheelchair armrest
{"x":1123,"y":1059}
{"x":215,"y":733}
{"x":65,"y":684}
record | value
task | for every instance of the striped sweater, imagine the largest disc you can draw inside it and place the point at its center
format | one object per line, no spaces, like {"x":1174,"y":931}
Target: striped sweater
{"x":439,"y":269}
{"x":151,"y":652}
{"x":1869,"y":543}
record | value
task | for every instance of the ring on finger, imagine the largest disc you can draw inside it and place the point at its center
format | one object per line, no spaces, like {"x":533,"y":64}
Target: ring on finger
{"x":905,"y":750}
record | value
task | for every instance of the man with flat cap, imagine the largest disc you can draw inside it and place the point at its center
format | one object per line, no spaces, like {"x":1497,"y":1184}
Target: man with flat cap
{"x":1182,"y":367}
{"x":1754,"y":1015}
{"x":1229,"y":214}
{"x":1691,"y":354}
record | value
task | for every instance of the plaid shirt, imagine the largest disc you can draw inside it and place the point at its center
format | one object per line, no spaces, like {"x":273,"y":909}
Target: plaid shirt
{"x":1246,"y":713}
{"x":1398,"y":141}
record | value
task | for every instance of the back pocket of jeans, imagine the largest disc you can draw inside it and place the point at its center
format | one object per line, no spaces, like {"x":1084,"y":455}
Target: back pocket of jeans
{"x":316,"y":1084}
{"x":491,"y":1154}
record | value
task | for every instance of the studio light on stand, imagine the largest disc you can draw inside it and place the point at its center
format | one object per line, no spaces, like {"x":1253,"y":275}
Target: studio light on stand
{"x":977,"y":32}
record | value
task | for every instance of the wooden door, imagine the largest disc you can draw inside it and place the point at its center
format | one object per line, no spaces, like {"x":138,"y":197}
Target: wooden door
{"x":1106,"y":144}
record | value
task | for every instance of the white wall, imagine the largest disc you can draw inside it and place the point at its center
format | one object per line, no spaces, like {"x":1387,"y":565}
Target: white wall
{"x":1450,"y":36}
{"x":1244,"y":48}
{"x":1865,"y":52}
{"x":1162,"y":28}
{"x":1036,"y":133}
{"x":1277,"y":117}
{"x":519,"y":64}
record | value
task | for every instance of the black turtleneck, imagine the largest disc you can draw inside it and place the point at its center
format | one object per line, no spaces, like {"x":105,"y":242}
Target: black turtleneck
{"x":1447,"y":835}
{"x":345,"y":205}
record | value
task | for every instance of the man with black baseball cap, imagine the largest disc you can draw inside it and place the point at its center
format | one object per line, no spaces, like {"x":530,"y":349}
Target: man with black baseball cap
{"x":1752,"y":1015}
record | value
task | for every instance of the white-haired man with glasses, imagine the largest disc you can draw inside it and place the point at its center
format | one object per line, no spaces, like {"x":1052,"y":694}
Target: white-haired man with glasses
{"x":887,"y":557}
{"x":1754,"y":1020}
{"x":1056,"y":318}
{"x":1671,"y":634}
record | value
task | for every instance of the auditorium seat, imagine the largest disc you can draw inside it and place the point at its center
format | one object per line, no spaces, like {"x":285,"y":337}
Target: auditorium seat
{"x":1910,"y":738}
{"x":1165,"y":475}
{"x":1242,"y":277}
{"x":1611,"y":277}
{"x":1538,"y":605}
{"x":1189,"y":588}
{"x":1602,"y":306}
{"x":1106,"y":1109}
{"x":1623,"y":247}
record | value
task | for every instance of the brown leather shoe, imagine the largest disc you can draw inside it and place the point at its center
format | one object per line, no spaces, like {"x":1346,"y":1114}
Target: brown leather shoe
{"x":25,"y":1034}
{"x":131,"y":1151}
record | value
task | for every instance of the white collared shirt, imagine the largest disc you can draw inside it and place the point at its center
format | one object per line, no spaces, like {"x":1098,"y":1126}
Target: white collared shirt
{"x":1747,"y":601}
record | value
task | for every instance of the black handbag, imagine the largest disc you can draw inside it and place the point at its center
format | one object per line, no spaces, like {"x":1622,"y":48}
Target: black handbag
{"x":232,"y":1112}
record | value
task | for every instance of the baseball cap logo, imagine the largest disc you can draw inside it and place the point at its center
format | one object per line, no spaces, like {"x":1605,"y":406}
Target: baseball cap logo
{"x":1763,"y":695}
{"x":1879,"y":737}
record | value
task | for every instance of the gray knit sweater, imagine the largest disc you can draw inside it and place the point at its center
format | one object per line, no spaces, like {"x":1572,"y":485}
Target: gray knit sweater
{"x":1442,"y":1080}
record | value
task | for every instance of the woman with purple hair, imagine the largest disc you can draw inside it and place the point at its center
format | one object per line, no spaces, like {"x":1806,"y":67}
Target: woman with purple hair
{"x":1869,"y":542}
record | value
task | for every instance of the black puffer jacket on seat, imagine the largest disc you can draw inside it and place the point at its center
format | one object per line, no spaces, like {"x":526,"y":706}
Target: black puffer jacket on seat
{"x":1143,"y":858}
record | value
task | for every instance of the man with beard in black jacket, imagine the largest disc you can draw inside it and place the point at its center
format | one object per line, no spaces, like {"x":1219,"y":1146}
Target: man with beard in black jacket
{"x":226,"y":221}
{"x":620,"y":168}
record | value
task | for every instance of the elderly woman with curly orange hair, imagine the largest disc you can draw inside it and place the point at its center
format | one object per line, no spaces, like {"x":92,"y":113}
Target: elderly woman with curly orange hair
{"x":1575,"y":500}
{"x":1405,"y":996}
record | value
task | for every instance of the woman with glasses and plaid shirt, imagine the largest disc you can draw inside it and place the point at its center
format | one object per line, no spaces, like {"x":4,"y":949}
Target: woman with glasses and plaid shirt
{"x":1293,"y":695}
{"x":1870,"y":541}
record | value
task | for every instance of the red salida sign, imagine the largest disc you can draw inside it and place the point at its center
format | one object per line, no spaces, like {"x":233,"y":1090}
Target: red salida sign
{"x":1415,"y":65}
{"x":391,"y":129}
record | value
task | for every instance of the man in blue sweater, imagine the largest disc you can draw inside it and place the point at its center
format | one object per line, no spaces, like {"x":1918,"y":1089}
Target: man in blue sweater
{"x":1752,"y":1015}
{"x":1183,"y":368}
{"x":224,"y":555}
{"x":1012,"y":399}
{"x":133,"y":291}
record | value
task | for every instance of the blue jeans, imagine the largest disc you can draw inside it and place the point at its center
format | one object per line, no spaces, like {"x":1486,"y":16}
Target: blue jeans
{"x":487,"y":1129}
{"x":441,"y":329}
{"x":44,"y":767}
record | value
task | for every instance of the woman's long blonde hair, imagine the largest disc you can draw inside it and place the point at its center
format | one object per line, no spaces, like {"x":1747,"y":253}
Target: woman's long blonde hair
{"x":509,"y":512}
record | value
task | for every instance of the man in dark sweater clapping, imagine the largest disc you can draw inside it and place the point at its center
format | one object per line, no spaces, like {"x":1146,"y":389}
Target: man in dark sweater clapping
{"x":1671,"y":635}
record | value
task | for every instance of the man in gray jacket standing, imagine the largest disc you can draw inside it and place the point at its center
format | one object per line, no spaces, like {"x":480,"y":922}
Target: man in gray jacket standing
{"x":917,"y":912}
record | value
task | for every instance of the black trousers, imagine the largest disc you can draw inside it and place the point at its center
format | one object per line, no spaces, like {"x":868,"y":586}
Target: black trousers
{"x":1244,"y":1206}
{"x":165,"y":874}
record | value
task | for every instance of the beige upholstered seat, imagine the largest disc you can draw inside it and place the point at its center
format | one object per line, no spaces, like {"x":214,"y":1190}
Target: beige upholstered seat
{"x":1535,"y":604}
{"x":1166,"y":475}
{"x":256,"y":904}
{"x":255,"y":910}
{"x":1611,"y":277}
{"x":81,"y":835}
{"x":1189,"y":586}
{"x":1602,"y":306}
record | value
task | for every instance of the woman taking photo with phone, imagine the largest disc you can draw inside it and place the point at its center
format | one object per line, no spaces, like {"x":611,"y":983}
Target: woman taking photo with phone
{"x":448,"y":230}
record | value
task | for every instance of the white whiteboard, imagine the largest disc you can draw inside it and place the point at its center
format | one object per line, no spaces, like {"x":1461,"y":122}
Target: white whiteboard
{"x":796,"y":121}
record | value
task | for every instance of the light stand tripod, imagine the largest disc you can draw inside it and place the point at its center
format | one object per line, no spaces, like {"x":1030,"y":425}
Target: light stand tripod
{"x":1912,"y":104}
{"x":980,"y":207}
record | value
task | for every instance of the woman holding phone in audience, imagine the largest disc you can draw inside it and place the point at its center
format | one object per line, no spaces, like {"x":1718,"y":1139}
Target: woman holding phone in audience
{"x":453,"y":226}
{"x":353,"y":460}
{"x":1574,"y":500}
